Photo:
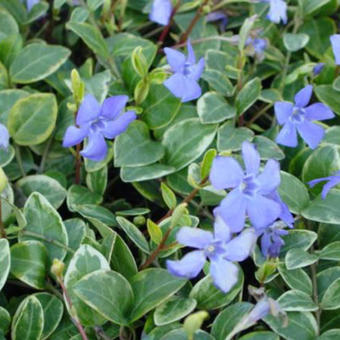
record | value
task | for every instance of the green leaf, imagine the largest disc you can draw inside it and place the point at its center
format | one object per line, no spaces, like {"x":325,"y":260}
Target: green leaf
{"x":134,"y":234}
{"x":97,"y":180}
{"x":331,"y":252}
{"x":78,"y":196}
{"x":53,"y":309}
{"x":267,"y":148}
{"x":248,"y":95}
{"x":174,"y":309}
{"x":302,"y":239}
{"x":37,"y":11}
{"x":226,"y":321}
{"x":218,"y":81}
{"x":332,"y":334}
{"x":85,"y":261}
{"x":136,"y":148}
{"x":168,"y":196}
{"x":298,"y":258}
{"x":28,"y":320}
{"x":213,"y":108}
{"x":152,"y":287}
{"x":324,"y":210}
{"x":6,"y":156}
{"x":91,"y":36}
{"x":331,"y":297}
{"x":93,"y":211}
{"x":50,"y":188}
{"x":145,"y":173}
{"x":295,"y":41}
{"x":36,"y":62}
{"x":209,"y":297}
{"x":29,"y":263}
{"x":208,"y":159}
{"x":319,"y":30}
{"x":113,"y":300}
{"x":160,"y":99}
{"x":5,"y":261}
{"x":260,"y":336}
{"x":326,"y":278}
{"x":230,"y":138}
{"x":32,"y":119}
{"x":311,"y":6}
{"x":186,"y":141}
{"x":45,"y":224}
{"x":7,"y":99}
{"x":300,"y":326}
{"x":296,"y":301}
{"x":5,"y":320}
{"x":293,"y":192}
{"x":329,"y":96}
{"x":296,"y":279}
{"x":8,"y":25}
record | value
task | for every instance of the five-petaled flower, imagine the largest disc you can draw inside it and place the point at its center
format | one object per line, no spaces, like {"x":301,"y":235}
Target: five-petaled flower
{"x":299,"y":117}
{"x":251,"y":189}
{"x":335,"y":41}
{"x":333,"y":181}
{"x":4,"y":137}
{"x":219,"y":248}
{"x":97,"y":122}
{"x":183,"y":83}
{"x":277,"y":11}
{"x":161,"y":12}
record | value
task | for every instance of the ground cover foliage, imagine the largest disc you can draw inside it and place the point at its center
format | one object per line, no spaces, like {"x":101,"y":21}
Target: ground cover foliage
{"x":169,"y":170}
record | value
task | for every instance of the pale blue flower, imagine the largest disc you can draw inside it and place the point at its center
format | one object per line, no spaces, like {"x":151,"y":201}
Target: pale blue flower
{"x":335,"y":41}
{"x":277,"y":11}
{"x":97,"y":122}
{"x":161,"y":12}
{"x":4,"y":137}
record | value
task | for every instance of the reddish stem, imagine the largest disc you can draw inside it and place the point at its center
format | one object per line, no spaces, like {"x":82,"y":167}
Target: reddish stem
{"x":78,"y":164}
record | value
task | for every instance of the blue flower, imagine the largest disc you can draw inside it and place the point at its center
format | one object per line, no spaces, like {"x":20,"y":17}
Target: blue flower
{"x":161,"y":12}
{"x":218,"y":16}
{"x":271,"y":240}
{"x":219,"y":248}
{"x":335,"y":41}
{"x":318,"y":68}
{"x":277,"y":11}
{"x":183,"y":83}
{"x":298,"y":117}
{"x":4,"y":137}
{"x":97,"y":122}
{"x":251,"y":190}
{"x":332,"y":182}
{"x":258,"y":45}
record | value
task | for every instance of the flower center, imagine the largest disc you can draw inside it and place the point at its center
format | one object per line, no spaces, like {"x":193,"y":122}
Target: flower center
{"x":187,"y":69}
{"x":297,"y":115}
{"x":97,"y":125}
{"x":249,"y":185}
{"x":214,"y":249}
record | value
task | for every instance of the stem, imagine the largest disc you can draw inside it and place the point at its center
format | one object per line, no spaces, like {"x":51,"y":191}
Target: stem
{"x":193,"y":22}
{"x":161,"y":245}
{"x":44,"y":156}
{"x":168,"y":26}
{"x":2,"y":228}
{"x":258,"y":114}
{"x":19,"y":160}
{"x":70,"y":307}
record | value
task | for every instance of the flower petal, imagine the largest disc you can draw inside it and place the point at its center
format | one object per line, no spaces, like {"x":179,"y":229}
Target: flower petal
{"x":283,"y":110}
{"x":161,"y":12}
{"x":88,"y":110}
{"x":191,"y":59}
{"x":96,"y":148}
{"x":115,"y":127}
{"x":233,"y":210}
{"x":313,"y":182}
{"x":277,"y":11}
{"x":183,"y":87}
{"x":239,"y":248}
{"x":225,"y":173}
{"x":303,"y":97}
{"x":270,"y":177}
{"x":224,"y":274}
{"x":311,"y":133}
{"x":74,"y":136}
{"x":318,"y":111}
{"x":189,"y":266}
{"x":287,"y":136}
{"x":193,"y":237}
{"x":113,"y":106}
{"x":175,"y":59}
{"x":196,"y":70}
{"x":4,"y":137}
{"x":328,"y":186}
{"x":222,"y":231}
{"x":262,"y":211}
{"x":251,"y":158}
{"x":335,"y":41}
